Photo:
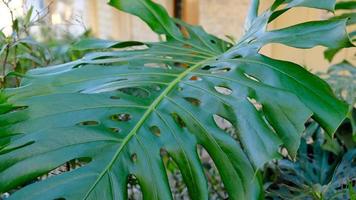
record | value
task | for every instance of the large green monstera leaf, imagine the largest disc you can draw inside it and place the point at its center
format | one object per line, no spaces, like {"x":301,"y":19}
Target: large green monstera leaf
{"x":117,"y":111}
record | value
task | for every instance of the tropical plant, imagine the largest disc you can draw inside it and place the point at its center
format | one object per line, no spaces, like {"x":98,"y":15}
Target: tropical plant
{"x":117,"y":112}
{"x":317,"y":174}
{"x":342,"y":78}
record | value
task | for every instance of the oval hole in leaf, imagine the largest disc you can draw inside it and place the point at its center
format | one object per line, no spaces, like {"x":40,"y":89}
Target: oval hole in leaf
{"x":222,"y":123}
{"x":251,"y":77}
{"x":193,"y":101}
{"x":208,"y":67}
{"x":115,"y":130}
{"x":178,"y":120}
{"x":154,"y":65}
{"x":155,"y":131}
{"x":283,"y":151}
{"x":163,"y":152}
{"x":195,"y":78}
{"x":68,"y":166}
{"x":221,"y":70}
{"x":181,"y":64}
{"x":134,"y":157}
{"x":223,"y":90}
{"x":88,"y":123}
{"x":256,"y":104}
{"x":124,"y":117}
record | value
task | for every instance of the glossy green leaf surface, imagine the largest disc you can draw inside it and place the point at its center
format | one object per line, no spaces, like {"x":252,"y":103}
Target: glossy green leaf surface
{"x":119,"y":110}
{"x":349,"y":16}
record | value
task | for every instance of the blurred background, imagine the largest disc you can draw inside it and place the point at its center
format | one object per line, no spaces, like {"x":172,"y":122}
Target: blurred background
{"x":58,"y":19}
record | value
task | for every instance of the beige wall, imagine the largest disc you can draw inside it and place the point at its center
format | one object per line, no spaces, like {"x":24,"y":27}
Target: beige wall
{"x":226,"y":17}
{"x":109,"y":23}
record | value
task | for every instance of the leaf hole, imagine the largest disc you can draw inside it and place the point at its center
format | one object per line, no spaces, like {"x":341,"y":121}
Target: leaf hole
{"x":163,"y":152}
{"x":223,"y":90}
{"x":195,"y":78}
{"x":71,"y":165}
{"x":283,"y":151}
{"x":193,"y":101}
{"x":178,"y":120}
{"x":208,"y":67}
{"x":88,"y":123}
{"x":251,"y":77}
{"x":115,"y":130}
{"x":134,"y":157}
{"x":155,"y":131}
{"x":124,"y":117}
{"x":221,"y":70}
{"x":154,"y":65}
{"x":181,"y":64}
{"x":213,"y":41}
{"x":256,"y":104}
{"x":222,"y":123}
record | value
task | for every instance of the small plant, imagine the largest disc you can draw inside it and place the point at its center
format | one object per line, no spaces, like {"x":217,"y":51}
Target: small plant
{"x":23,"y":50}
{"x":119,"y":113}
{"x":317,"y":174}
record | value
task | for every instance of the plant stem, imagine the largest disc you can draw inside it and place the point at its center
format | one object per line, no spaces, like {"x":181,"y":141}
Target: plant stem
{"x":3,"y":81}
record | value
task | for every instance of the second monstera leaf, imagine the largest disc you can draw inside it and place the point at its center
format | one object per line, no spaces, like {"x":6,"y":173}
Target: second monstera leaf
{"x":118,"y":111}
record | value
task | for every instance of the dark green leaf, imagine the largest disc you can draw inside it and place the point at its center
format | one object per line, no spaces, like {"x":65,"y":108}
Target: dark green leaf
{"x":118,"y":110}
{"x":153,"y":14}
{"x":346,"y":5}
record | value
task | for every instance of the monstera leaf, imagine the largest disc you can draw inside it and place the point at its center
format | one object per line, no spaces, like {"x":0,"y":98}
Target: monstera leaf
{"x":347,"y":9}
{"x":117,"y":111}
{"x":317,"y":173}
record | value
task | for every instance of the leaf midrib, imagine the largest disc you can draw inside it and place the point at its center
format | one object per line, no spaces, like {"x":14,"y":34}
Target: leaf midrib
{"x":144,"y":117}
